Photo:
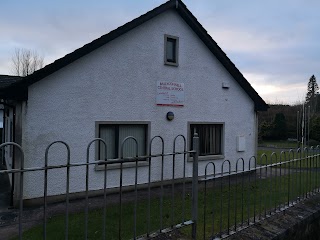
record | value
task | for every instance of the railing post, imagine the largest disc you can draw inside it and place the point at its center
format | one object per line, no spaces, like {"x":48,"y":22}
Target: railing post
{"x":195,"y":186}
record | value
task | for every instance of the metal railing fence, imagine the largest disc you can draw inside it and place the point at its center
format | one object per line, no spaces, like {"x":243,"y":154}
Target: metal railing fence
{"x":231,"y":196}
{"x":236,"y":199}
{"x":170,"y":195}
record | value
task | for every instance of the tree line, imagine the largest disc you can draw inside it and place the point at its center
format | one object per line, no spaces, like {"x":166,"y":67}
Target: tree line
{"x":299,"y":121}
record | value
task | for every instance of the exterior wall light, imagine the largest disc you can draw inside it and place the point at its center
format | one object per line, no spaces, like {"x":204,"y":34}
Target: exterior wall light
{"x":170,"y":116}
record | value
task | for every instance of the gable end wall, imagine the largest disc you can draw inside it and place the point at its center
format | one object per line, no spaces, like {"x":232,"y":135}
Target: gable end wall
{"x":117,"y":82}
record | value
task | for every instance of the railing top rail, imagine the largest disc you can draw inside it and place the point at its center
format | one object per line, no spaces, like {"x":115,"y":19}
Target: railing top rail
{"x":97,"y":162}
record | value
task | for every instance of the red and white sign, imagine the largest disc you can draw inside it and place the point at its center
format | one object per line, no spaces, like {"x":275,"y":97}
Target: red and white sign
{"x":170,"y":93}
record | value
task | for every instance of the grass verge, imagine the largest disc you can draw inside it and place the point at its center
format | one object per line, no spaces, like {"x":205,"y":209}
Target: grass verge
{"x":221,"y":206}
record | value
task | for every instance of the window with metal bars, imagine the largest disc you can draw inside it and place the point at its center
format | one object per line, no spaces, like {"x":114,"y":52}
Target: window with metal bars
{"x":210,"y":138}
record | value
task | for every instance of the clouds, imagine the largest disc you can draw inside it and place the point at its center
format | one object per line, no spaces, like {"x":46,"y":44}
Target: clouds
{"x":56,"y":28}
{"x":273,"y":43}
{"x":275,"y":90}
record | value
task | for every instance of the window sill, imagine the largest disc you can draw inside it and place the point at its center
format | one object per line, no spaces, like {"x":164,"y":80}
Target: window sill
{"x":118,"y":165}
{"x":208,"y":158}
{"x":175,"y":64}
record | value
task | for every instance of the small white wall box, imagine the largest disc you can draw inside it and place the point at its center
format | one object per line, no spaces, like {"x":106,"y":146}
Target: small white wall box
{"x":225,"y":85}
{"x":241,"y":143}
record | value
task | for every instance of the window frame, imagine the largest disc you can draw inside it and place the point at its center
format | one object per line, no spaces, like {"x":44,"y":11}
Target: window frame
{"x":176,"y":62}
{"x":212,"y":156}
{"x":117,"y":165}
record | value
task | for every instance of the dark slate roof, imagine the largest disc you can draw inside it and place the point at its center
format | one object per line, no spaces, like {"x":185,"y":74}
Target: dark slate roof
{"x":9,"y":88}
{"x":188,"y":17}
{"x":7,"y":80}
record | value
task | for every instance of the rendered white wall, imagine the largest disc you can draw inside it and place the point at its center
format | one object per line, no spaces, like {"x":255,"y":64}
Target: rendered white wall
{"x":117,"y":82}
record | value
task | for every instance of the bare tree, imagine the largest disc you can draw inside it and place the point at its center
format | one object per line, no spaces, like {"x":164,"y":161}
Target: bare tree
{"x":25,"y":62}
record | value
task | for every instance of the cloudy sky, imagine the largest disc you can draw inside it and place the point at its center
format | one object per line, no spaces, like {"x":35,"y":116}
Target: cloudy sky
{"x":275,"y":44}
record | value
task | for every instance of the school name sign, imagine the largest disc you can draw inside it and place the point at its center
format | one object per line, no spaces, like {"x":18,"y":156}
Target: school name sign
{"x":170,"y":93}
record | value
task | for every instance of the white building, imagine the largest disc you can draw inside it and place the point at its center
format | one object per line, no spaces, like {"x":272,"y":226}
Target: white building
{"x":125,"y":83}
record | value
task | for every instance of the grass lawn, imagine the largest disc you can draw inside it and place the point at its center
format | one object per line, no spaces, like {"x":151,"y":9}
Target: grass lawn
{"x":219,"y":207}
{"x":275,"y":156}
{"x":286,"y":144}
{"x":279,"y":144}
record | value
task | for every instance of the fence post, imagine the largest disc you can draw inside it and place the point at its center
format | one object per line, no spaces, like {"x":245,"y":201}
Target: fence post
{"x":195,"y":186}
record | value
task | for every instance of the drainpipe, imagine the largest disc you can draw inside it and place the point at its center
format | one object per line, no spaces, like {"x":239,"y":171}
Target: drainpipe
{"x":257,"y":132}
